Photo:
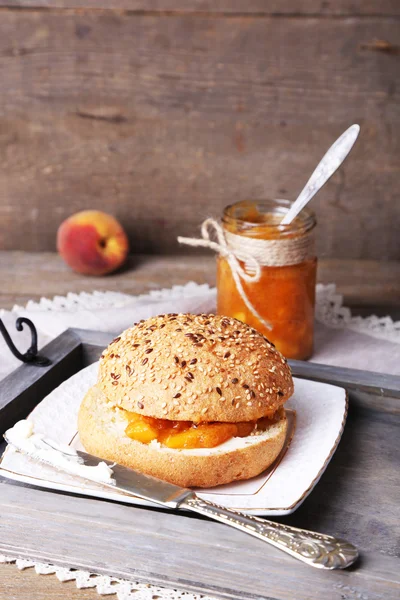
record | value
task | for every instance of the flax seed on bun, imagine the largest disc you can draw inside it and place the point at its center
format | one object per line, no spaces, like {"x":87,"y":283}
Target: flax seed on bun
{"x":194,"y":368}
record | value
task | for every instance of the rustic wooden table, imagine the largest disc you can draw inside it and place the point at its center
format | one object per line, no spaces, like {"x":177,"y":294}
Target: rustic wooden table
{"x":368,"y":286}
{"x":24,"y":276}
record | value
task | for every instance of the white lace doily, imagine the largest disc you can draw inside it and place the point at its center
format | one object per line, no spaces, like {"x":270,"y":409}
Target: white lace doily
{"x":125,"y":590}
{"x":53,"y":316}
{"x":329,"y":308}
{"x":329,"y":311}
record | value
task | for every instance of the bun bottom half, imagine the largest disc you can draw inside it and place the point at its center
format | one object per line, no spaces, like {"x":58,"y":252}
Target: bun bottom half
{"x":102,"y":432}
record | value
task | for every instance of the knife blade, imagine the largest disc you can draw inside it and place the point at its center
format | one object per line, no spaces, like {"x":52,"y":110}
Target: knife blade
{"x":315,"y":549}
{"x":137,"y":484}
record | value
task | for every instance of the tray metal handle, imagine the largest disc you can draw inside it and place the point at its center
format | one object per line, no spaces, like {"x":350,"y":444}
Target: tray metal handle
{"x":31,"y":356}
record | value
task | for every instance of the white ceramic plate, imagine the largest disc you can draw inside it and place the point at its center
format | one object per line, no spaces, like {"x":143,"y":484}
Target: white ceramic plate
{"x":317,"y":414}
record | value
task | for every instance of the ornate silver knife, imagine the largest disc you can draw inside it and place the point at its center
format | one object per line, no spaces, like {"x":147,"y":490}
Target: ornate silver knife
{"x":315,"y":549}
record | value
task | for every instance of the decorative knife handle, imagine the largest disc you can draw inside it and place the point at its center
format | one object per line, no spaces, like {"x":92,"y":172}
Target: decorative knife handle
{"x":315,"y":549}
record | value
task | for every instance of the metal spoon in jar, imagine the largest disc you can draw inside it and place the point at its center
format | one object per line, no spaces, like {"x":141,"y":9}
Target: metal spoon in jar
{"x":325,"y":169}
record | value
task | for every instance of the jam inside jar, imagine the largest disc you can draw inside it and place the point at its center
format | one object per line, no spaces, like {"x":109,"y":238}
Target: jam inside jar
{"x":285,"y":293}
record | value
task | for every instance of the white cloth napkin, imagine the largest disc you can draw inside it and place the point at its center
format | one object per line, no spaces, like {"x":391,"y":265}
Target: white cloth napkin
{"x":340,"y":339}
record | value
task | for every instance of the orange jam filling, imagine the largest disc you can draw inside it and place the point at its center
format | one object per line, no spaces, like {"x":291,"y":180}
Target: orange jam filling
{"x":284,"y":295}
{"x":186,"y":434}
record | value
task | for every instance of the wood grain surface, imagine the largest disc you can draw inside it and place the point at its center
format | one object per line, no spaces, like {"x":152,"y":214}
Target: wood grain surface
{"x":27,"y":585}
{"x":163,"y":114}
{"x":181,"y":542}
{"x":368,"y":285}
{"x":256,"y":7}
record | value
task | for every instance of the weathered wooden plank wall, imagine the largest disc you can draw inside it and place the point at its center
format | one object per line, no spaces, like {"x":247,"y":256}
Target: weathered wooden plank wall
{"x":164,"y":111}
{"x":257,"y":7}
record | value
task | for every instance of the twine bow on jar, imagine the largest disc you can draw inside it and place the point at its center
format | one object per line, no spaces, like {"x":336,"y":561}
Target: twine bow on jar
{"x":235,"y":251}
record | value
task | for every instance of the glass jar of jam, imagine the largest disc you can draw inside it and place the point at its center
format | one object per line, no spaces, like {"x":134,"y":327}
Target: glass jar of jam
{"x":284,"y":294}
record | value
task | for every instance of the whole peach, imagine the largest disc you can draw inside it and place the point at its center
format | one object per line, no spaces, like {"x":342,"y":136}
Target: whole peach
{"x":92,"y":242}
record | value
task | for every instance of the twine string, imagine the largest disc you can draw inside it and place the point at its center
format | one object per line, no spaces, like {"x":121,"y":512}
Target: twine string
{"x":251,"y":273}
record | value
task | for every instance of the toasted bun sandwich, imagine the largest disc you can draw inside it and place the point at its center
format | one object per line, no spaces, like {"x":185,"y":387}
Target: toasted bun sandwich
{"x":196,"y":400}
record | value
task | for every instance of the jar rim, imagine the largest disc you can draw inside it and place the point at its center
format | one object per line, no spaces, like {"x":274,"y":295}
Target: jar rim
{"x":305,"y":221}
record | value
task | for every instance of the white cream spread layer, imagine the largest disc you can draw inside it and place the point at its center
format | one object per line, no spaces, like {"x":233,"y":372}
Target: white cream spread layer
{"x":113,"y":421}
{"x":23,"y":438}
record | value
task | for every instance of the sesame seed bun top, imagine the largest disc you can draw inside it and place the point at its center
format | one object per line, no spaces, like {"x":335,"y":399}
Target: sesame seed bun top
{"x":195,"y":368}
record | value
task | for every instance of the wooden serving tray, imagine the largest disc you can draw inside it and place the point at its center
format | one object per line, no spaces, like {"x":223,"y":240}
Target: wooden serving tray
{"x":357,"y":498}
